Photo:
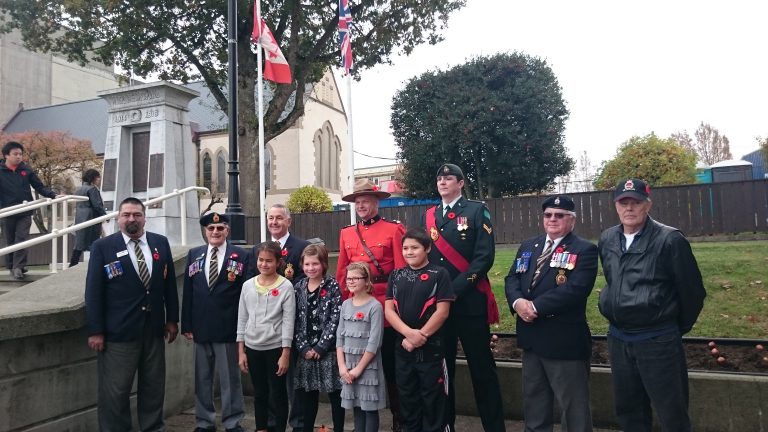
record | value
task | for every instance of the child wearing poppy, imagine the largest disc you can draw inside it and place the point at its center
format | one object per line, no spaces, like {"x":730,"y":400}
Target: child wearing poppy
{"x":318,"y":304}
{"x":265,"y":324}
{"x":358,"y":350}
{"x":419,"y":298}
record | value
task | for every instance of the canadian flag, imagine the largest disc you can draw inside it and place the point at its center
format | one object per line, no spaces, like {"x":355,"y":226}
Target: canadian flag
{"x":276,"y":67}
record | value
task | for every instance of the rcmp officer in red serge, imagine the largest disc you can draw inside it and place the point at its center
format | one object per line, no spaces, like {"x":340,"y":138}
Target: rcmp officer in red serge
{"x":462,"y":243}
{"x":547,"y":287}
{"x":378,"y":242}
{"x":213,"y":280}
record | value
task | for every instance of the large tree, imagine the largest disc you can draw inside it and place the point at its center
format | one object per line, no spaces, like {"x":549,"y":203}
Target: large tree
{"x":710,"y":147}
{"x":659,"y":161}
{"x":501,"y":118}
{"x":183,"y":40}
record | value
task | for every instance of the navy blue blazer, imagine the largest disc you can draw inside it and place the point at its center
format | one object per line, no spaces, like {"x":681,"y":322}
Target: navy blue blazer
{"x":293,"y":248}
{"x":118,"y":307}
{"x":210,"y":314}
{"x":561,"y":330}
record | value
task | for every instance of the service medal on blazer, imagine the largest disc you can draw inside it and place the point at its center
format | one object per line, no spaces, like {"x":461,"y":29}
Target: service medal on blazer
{"x":522,"y":263}
{"x":561,"y":278}
{"x":461,"y":223}
{"x":289,"y":271}
{"x":433,"y":234}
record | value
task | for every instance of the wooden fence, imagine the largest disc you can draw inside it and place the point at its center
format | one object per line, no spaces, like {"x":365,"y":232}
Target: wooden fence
{"x":697,"y":210}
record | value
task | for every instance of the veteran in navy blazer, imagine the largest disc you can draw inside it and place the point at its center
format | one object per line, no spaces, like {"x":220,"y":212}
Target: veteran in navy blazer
{"x":547,"y":287}
{"x":213,"y":281}
{"x":131,"y":302}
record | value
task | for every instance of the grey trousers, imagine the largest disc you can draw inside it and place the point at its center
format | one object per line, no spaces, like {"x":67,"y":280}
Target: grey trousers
{"x":546,"y":379}
{"x":118,"y":364}
{"x":16,"y":230}
{"x":221,"y":358}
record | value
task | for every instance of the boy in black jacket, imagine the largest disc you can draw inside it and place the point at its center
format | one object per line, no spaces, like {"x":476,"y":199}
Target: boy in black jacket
{"x":419,"y":298}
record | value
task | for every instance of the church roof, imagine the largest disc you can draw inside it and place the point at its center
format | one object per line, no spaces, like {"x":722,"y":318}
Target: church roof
{"x":88,"y":119}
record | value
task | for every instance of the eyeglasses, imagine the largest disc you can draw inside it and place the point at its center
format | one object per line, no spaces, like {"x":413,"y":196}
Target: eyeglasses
{"x":354,"y":278}
{"x":548,"y":215}
{"x":212,"y":228}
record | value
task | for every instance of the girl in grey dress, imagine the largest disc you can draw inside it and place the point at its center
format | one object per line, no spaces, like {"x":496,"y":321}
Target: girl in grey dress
{"x":358,"y":343}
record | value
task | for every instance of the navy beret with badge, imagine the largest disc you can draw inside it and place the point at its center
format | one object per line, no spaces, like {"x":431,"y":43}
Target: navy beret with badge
{"x":450,"y":169}
{"x":561,"y":202}
{"x":632,"y":188}
{"x":212,"y":218}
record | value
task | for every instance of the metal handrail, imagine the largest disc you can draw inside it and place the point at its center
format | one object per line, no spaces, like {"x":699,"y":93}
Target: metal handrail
{"x":56,"y":233}
{"x":22,"y":205}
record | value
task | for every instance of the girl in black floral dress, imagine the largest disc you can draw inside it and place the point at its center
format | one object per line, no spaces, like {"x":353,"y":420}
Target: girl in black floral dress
{"x":318,"y":301}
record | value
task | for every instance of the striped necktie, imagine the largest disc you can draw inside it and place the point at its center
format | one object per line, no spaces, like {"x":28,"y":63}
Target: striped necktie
{"x":213,"y":270}
{"x":143,"y":271}
{"x":541,"y":261}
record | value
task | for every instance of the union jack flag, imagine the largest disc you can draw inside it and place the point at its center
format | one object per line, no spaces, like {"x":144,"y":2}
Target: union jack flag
{"x":345,"y":44}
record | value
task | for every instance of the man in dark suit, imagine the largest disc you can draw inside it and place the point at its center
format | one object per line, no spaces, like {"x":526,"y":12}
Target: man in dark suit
{"x":212,"y":284}
{"x":547,"y":287}
{"x":462,"y":243}
{"x":278,"y":223}
{"x":130,"y":304}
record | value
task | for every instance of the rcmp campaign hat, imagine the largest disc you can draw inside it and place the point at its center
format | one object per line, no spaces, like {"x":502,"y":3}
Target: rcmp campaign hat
{"x":561,"y":202}
{"x":365,"y":187}
{"x":450,"y":169}
{"x":632,"y":188}
{"x":212,"y":218}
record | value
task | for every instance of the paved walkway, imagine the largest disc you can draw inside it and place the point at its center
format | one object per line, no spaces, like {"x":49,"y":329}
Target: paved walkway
{"x":185,"y":422}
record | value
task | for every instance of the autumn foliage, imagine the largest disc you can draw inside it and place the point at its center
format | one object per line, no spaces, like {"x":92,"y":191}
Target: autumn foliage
{"x":659,"y":161}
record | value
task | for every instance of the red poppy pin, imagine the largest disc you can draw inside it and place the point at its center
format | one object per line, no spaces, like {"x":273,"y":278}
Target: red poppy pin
{"x":424,"y":276}
{"x":155,"y":255}
{"x":359,"y":315}
{"x":234,"y":256}
{"x":275,"y":292}
{"x":375,"y":188}
{"x":559,"y":249}
{"x":23,"y":173}
{"x":323,"y":293}
{"x":648,"y":189}
{"x":451,"y":215}
{"x":284,"y":252}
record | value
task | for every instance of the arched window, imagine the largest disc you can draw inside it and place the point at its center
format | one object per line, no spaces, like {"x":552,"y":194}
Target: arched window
{"x":221,"y":174}
{"x":327,"y":153}
{"x":207,"y":170}
{"x":267,"y":168}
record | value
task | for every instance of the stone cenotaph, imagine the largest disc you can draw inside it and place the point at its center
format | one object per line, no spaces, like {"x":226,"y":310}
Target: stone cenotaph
{"x":149,"y":152}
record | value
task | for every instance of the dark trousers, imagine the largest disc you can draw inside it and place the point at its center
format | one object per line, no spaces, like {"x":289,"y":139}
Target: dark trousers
{"x":366,"y":421}
{"x":388,"y":342}
{"x":310,"y":401}
{"x":117,"y":367}
{"x":475,"y":336}
{"x":650,"y":373}
{"x":16,"y":230}
{"x":565,"y":380}
{"x":269,"y":390}
{"x":423,"y":387}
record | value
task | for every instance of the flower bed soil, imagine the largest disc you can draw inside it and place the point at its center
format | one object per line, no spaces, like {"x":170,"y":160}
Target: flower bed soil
{"x":738,"y":358}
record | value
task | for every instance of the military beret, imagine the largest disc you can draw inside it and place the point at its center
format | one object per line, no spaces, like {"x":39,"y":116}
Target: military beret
{"x":632,"y":188}
{"x":213,"y":217}
{"x":561,"y":202}
{"x":450,"y":169}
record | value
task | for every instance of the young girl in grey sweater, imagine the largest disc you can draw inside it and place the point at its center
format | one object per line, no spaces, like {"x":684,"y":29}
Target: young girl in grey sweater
{"x":264,"y":335}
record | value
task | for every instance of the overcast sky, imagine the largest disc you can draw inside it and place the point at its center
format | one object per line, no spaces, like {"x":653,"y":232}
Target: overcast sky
{"x":625,"y":69}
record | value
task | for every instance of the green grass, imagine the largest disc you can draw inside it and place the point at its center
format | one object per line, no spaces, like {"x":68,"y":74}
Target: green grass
{"x":735,"y":276}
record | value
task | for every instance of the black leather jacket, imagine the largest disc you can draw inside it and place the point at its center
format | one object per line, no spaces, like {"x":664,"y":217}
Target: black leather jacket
{"x":655,"y":284}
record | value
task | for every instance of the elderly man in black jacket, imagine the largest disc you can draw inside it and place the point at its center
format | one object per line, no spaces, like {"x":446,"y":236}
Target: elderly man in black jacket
{"x":547,"y":287}
{"x":654,"y":296}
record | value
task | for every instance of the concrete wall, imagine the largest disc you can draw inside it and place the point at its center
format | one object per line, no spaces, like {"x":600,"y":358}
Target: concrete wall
{"x":48,"y":376}
{"x":719,"y":402}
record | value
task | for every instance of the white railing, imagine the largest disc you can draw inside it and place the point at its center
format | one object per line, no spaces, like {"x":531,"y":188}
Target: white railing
{"x":64,"y":231}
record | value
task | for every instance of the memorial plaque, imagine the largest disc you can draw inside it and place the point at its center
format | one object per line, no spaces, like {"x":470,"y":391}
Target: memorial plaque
{"x":156,"y":170}
{"x":140,"y":161}
{"x":110,"y":174}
